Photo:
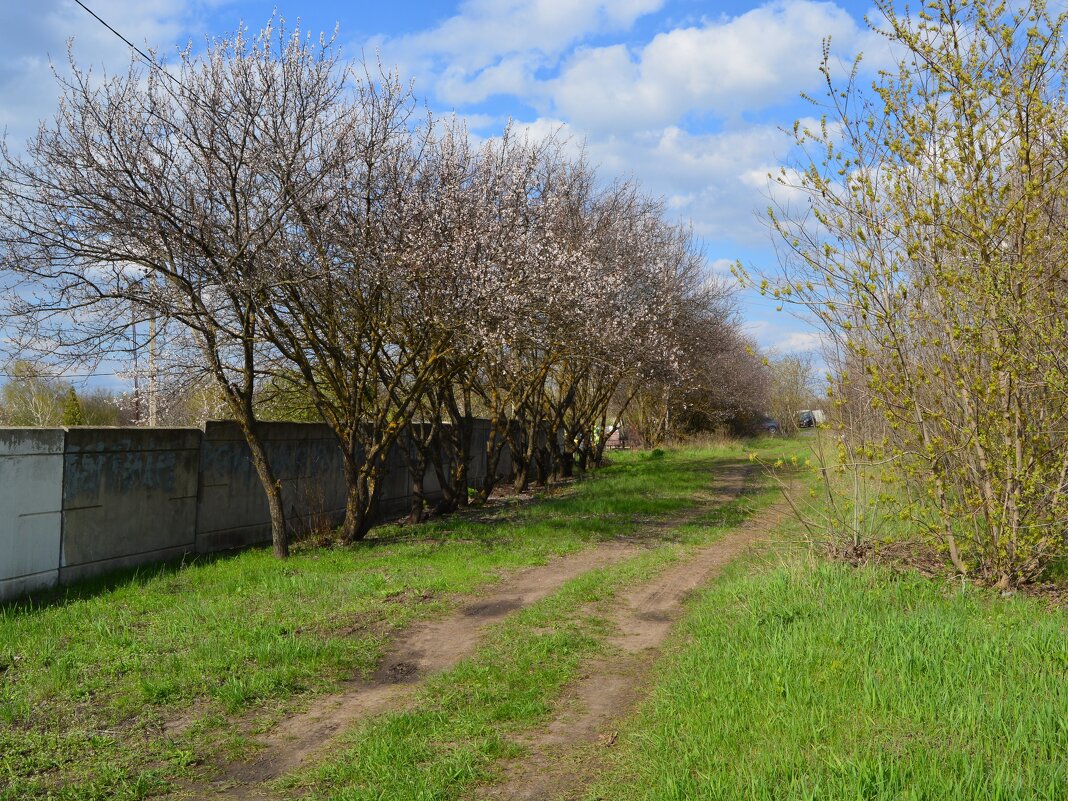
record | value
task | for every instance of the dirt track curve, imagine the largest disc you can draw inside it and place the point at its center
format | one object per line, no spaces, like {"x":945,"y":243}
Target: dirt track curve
{"x":564,"y":757}
{"x":644,"y":618}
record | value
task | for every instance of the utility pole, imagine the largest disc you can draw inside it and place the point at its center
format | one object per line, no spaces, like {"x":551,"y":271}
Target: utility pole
{"x":136,"y":371}
{"x":153,"y":376}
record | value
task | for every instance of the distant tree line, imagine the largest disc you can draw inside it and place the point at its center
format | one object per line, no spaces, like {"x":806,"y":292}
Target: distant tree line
{"x":299,"y":240}
{"x":31,"y":398}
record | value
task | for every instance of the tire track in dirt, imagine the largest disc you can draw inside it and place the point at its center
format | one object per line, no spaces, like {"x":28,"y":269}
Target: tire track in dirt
{"x":427,"y":648}
{"x":563,"y":757}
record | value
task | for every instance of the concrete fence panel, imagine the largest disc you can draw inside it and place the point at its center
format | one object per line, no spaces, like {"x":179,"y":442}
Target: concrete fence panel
{"x":31,"y":509}
{"x":83,"y":501}
{"x":129,"y":497}
{"x":394,"y":494}
{"x":232,"y":509}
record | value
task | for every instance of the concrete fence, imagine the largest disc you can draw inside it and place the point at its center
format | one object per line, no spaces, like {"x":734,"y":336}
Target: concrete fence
{"x":79,"y":502}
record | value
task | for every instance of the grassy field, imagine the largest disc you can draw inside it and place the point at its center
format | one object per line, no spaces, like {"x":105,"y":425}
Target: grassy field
{"x":813,"y":680}
{"x":89,"y":678}
{"x":790,"y":678}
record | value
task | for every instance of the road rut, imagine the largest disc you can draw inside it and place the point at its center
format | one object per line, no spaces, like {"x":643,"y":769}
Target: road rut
{"x":427,"y":648}
{"x":563,"y":757}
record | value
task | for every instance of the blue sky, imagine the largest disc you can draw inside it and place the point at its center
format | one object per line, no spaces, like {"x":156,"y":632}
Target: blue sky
{"x":688,"y":97}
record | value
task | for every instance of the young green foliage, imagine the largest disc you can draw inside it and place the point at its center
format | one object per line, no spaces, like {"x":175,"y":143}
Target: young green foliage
{"x":934,"y":254}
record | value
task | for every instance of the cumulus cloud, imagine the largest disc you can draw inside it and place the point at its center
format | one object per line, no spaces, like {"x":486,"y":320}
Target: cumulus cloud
{"x":683,"y":111}
{"x":494,"y":47}
{"x":718,"y":180}
{"x":34,"y":34}
{"x":798,"y":342}
{"x":537,"y":51}
{"x":723,"y":67}
{"x":782,"y":334}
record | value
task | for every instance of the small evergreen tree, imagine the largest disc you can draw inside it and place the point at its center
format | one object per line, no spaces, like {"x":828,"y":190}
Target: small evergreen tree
{"x":72,"y":410}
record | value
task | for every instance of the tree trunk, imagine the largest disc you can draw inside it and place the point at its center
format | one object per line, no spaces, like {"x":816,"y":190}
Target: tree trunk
{"x":494,"y":445}
{"x":448,"y":502}
{"x":273,"y":488}
{"x":454,"y":483}
{"x":569,"y":448}
{"x":421,"y":448}
{"x":463,"y":458}
{"x":543,"y":462}
{"x":521,"y":480}
{"x":519,"y":445}
{"x":567,"y":464}
{"x":418,"y":499}
{"x":598,"y":450}
{"x":360,"y":484}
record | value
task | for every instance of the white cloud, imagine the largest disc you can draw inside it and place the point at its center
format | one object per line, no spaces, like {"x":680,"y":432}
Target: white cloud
{"x":510,"y":76}
{"x":716,"y":180}
{"x":707,"y":178}
{"x":32,"y":34}
{"x":545,"y":127}
{"x":782,"y":334}
{"x":798,"y":342}
{"x":671,"y":112}
{"x":497,"y":46}
{"x":723,"y":67}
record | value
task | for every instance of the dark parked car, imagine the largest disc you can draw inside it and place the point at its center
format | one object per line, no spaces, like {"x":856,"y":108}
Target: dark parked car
{"x":768,"y":426}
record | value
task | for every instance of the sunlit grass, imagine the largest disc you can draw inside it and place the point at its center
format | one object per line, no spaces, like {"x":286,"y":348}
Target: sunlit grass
{"x":821,"y":681}
{"x":469,"y":718}
{"x":87,"y":676}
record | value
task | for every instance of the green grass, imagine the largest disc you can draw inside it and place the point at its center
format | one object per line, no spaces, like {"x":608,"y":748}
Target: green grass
{"x":88,"y":677}
{"x":466,"y":719}
{"x":820,"y":681}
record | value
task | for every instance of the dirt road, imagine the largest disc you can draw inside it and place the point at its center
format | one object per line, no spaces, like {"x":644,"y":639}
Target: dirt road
{"x":643,"y":618}
{"x":565,"y":756}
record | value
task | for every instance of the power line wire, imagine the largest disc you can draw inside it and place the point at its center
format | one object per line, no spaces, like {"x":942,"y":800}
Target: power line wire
{"x":148,"y":59}
{"x":62,"y":375}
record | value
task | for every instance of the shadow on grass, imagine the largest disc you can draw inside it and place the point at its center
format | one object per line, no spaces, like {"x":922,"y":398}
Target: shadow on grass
{"x":118,"y":579}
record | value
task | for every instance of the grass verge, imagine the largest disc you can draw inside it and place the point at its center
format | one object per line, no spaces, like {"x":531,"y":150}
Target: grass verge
{"x":820,"y":681}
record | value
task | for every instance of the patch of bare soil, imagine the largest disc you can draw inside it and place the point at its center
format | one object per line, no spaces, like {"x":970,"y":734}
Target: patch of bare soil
{"x":431,"y":647}
{"x":1054,"y":594}
{"x":420,"y":650}
{"x":898,"y":555}
{"x":564,"y":757}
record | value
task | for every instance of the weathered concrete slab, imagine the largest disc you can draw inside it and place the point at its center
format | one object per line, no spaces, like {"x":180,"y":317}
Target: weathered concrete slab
{"x":505,"y":466}
{"x":11,"y":589}
{"x":394,"y":496}
{"x":431,"y":485}
{"x":73,"y":573}
{"x":232,"y":507}
{"x":83,"y":501}
{"x":129,"y":496}
{"x":31,"y":496}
